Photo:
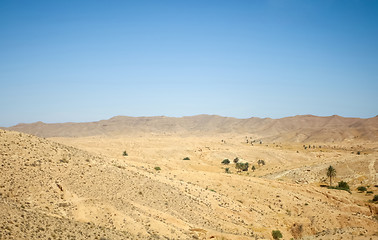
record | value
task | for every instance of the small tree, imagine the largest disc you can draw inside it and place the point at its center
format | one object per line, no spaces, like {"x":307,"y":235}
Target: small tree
{"x":375,"y":198}
{"x":242,"y":166}
{"x":253,"y":168}
{"x":331,"y":172}
{"x":227,"y":170}
{"x":186,"y":158}
{"x":276,"y":234}
{"x":361,"y":189}
{"x":157,"y":168}
{"x":238,"y":166}
{"x":236,"y":160}
{"x":226,"y":161}
{"x":245,"y":166}
{"x":262,"y":162}
{"x":125,"y":153}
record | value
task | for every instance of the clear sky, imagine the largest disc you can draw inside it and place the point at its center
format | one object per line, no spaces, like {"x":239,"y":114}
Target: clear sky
{"x":89,"y":60}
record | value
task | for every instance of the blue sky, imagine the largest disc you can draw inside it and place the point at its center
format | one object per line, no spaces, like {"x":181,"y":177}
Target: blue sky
{"x":89,"y":60}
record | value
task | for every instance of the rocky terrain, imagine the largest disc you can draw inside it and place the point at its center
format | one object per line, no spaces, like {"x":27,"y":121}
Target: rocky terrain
{"x":85,"y":188}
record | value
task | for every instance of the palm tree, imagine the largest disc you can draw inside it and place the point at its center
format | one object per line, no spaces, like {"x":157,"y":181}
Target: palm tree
{"x":331,"y":172}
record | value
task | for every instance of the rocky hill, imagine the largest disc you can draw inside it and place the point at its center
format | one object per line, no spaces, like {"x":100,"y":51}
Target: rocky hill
{"x":305,"y":128}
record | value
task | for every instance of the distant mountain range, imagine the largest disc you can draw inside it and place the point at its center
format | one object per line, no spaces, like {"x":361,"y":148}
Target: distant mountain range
{"x":301,"y":128}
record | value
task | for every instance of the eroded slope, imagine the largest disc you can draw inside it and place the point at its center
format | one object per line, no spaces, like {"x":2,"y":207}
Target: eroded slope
{"x":49,"y":189}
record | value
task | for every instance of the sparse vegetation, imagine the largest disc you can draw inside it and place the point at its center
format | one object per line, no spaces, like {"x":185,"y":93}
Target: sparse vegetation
{"x":226,"y":161}
{"x":242,"y":166}
{"x":186,"y":158}
{"x":341,"y":186}
{"x":182,"y":189}
{"x":261,"y":162}
{"x":276,"y":234}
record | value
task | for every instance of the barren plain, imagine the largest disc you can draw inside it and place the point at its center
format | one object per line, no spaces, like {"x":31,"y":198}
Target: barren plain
{"x":126,"y":178}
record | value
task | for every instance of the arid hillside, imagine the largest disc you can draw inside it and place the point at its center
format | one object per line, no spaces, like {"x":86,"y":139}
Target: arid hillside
{"x":306,"y":128}
{"x":85,"y":188}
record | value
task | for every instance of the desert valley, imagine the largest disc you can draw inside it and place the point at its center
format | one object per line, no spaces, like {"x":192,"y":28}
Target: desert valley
{"x":199,"y":177}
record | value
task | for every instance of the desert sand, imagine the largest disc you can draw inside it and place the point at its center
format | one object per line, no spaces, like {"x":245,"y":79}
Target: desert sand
{"x":79,"y":185}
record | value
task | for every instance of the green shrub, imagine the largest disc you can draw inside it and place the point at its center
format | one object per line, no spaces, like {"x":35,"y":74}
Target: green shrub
{"x":361,"y":189}
{"x":227,"y":170}
{"x":276,"y":234}
{"x":226,"y":161}
{"x":236,"y":160}
{"x":186,"y":158}
{"x":125,"y":153}
{"x":369,"y":192}
{"x":343,"y":185}
{"x":157,"y":168}
{"x":375,"y":198}
{"x":242,"y":166}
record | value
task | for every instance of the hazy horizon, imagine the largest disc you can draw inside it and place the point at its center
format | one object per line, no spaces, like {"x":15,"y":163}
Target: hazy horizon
{"x":97,"y":120}
{"x":91,"y":60}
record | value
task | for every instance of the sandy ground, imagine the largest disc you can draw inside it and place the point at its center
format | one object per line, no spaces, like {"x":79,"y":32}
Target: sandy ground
{"x":80,"y":188}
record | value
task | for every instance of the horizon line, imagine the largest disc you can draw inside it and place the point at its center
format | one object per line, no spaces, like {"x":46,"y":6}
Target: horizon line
{"x":195,"y":115}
